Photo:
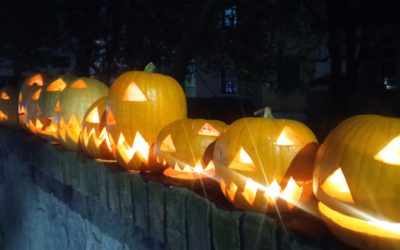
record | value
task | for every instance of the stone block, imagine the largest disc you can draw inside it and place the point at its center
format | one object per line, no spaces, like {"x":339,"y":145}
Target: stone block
{"x":175,"y":209}
{"x":101,"y":175}
{"x":156,"y":206}
{"x":198,"y":214}
{"x":139,"y":201}
{"x":112,"y":190}
{"x":258,"y":231}
{"x":225,"y":229}
{"x":125,"y":198}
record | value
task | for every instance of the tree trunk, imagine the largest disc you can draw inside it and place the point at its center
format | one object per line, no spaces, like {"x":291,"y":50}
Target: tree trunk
{"x":189,"y":41}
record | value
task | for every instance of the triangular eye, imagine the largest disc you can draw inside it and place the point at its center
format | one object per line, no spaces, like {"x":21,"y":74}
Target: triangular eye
{"x":3,"y":117}
{"x":57,"y":86}
{"x":36,"y":95}
{"x":390,"y":154}
{"x":93,"y":116}
{"x":57,"y":108}
{"x":168,"y":145}
{"x":110,"y":120}
{"x":242,"y":161}
{"x":20,"y":97}
{"x":336,"y":186}
{"x":288,"y":138}
{"x":134,"y":94}
{"x":209,"y":130}
{"x":79,"y":84}
{"x":36,"y":80}
{"x":4,"y":96}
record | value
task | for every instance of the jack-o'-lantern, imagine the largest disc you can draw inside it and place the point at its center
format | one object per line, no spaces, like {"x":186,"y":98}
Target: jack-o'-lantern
{"x":74,"y":102}
{"x":28,"y":102}
{"x":140,"y":104}
{"x":8,"y":106}
{"x":266,"y":164}
{"x":357,"y":181}
{"x":49,"y":104}
{"x":94,"y":139}
{"x":182,"y":145}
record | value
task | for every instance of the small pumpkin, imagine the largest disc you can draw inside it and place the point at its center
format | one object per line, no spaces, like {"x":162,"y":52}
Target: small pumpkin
{"x":8,"y":106}
{"x":74,"y":102}
{"x":266,"y":164}
{"x":140,"y":104}
{"x":182,"y":146}
{"x":49,"y":105}
{"x":356,"y":181}
{"x":28,"y":102}
{"x":94,"y":139}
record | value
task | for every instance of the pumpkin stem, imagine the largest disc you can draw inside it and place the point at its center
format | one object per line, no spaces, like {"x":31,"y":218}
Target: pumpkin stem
{"x":264,"y":112}
{"x":150,"y":67}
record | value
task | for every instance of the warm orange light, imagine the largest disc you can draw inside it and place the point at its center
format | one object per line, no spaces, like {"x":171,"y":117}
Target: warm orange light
{"x":390,"y":154}
{"x":4,"y":96}
{"x":139,"y":146}
{"x":292,"y":192}
{"x":36,"y":95}
{"x":167,"y":145}
{"x":336,"y":186}
{"x":134,"y":94}
{"x":272,"y":192}
{"x":20,"y":97}
{"x":98,"y":140}
{"x":79,"y":84}
{"x":250,"y":191}
{"x":110,"y":120}
{"x":209,"y":130}
{"x":93,"y":116}
{"x":21,"y":110}
{"x":242,"y":161}
{"x":288,"y":138}
{"x":3,"y":117}
{"x":230,"y":191}
{"x":57,"y":86}
{"x":34,"y":127}
{"x":208,"y":170}
{"x":36,"y":79}
{"x":71,"y":129}
{"x":379,"y":228}
{"x":57,"y":108}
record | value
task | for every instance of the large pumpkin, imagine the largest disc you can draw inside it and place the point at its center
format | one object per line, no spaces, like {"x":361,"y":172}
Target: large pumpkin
{"x":182,"y":146}
{"x":28,"y":102}
{"x":74,"y":102}
{"x":140,"y":104}
{"x":8,"y":106}
{"x":94,"y":138}
{"x":265,"y":163}
{"x":357,"y":181}
{"x":49,"y":104}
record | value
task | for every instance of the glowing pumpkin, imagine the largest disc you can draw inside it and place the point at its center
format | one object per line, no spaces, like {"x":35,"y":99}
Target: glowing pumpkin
{"x":266,"y":164}
{"x":49,"y":104}
{"x":357,"y":181}
{"x":74,"y":102}
{"x":140,"y":104}
{"x":182,"y":146}
{"x":94,"y":139}
{"x":28,"y":105}
{"x":8,"y":107}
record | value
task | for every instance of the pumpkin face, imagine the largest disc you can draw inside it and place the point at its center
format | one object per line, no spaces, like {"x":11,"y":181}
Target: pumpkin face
{"x":356,"y":180}
{"x":28,"y":105}
{"x":74,"y":102}
{"x":49,"y":104}
{"x":182,"y":146}
{"x":94,"y":139}
{"x":140,"y":104}
{"x":265,"y":164}
{"x":8,"y":107}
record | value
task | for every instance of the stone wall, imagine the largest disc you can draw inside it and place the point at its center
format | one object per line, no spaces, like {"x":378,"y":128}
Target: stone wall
{"x":55,"y":199}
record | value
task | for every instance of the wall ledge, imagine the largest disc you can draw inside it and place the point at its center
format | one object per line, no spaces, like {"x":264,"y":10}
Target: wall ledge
{"x":181,"y":217}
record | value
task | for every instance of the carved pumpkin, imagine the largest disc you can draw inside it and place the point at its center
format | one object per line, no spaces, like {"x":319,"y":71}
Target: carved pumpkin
{"x":357,"y":180}
{"x":49,"y":104}
{"x":74,"y":102}
{"x":8,"y":106}
{"x":266,"y":164}
{"x":140,"y":104}
{"x":182,"y":146}
{"x":28,"y":105}
{"x":94,"y":139}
